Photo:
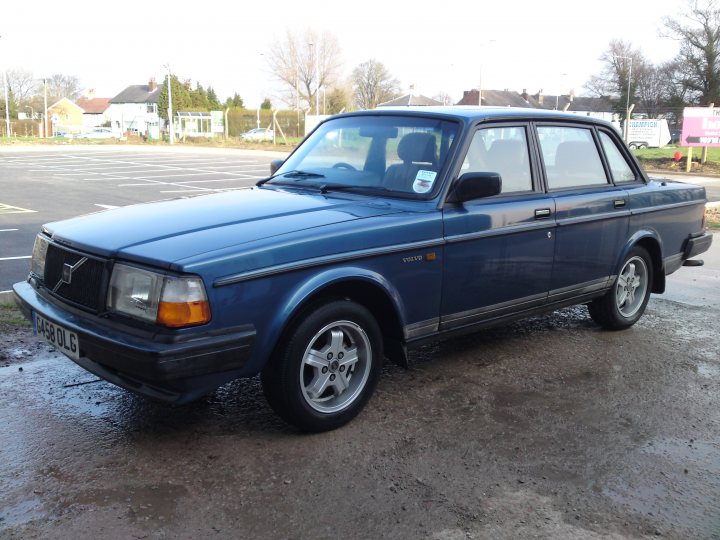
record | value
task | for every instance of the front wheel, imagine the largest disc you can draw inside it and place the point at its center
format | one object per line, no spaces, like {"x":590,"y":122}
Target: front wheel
{"x":623,"y":305}
{"x":325,"y":372}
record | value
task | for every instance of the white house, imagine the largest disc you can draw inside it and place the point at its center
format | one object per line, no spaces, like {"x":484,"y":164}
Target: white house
{"x":135,"y":109}
{"x":95,"y":110}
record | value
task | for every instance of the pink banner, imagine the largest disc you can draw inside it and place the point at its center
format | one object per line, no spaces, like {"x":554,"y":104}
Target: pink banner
{"x":700,"y":131}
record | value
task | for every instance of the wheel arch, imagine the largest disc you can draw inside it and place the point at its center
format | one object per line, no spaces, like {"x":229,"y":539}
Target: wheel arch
{"x":364,"y":287}
{"x":652,"y":243}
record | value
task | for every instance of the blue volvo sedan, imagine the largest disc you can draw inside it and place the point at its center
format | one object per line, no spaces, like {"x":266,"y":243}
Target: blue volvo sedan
{"x":383,"y":230}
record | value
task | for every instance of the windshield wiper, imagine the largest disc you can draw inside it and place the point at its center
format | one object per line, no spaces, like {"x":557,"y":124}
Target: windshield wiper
{"x":291,"y":174}
{"x":349,"y":187}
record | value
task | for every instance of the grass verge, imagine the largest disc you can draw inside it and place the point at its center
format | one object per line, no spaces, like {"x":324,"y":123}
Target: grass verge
{"x":12,"y":318}
{"x":712,"y":218}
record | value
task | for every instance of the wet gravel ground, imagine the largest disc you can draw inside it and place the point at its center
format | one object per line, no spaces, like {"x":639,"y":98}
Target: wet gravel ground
{"x":548,"y":428}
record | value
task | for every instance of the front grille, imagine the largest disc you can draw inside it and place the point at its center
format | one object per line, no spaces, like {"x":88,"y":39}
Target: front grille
{"x":86,"y":280}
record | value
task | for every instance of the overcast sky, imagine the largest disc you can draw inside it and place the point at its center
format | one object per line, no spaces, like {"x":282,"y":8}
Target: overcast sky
{"x":437,"y":46}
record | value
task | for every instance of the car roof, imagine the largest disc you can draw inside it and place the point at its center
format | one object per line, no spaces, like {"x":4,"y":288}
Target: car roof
{"x":469,"y":113}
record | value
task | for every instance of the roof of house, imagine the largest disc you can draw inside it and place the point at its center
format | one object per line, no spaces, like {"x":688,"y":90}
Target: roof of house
{"x":94,"y":105}
{"x":65,"y":101}
{"x":138,"y":93}
{"x":410,"y":100}
{"x":506,"y":98}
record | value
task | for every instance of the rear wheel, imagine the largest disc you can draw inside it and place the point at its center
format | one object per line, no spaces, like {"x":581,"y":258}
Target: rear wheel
{"x":325,"y":372}
{"x":623,"y":305}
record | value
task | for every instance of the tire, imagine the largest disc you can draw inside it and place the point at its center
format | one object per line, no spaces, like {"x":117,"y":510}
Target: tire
{"x":326,"y":368}
{"x":623,"y":305}
{"x":632,"y":146}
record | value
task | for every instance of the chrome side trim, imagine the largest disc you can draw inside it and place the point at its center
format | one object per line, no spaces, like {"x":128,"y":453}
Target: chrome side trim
{"x":595,"y":217}
{"x":422,"y":328}
{"x":579,"y":289}
{"x":540,"y":225}
{"x":322,"y":261}
{"x":469,"y":316}
{"x":666,"y":207}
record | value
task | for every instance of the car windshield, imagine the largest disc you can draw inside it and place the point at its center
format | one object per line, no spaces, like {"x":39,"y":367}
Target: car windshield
{"x":388,"y":155}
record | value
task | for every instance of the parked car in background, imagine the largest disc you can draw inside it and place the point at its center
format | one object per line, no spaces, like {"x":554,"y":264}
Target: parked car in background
{"x":258,"y":134}
{"x":382,"y":231}
{"x":96,"y":133}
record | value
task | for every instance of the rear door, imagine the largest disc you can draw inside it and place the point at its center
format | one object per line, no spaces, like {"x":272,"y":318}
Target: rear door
{"x":591,"y":212}
{"x":499,"y":250}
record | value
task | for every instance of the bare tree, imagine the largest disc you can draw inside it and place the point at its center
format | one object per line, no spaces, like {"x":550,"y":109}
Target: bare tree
{"x":622,"y":74}
{"x":63,"y":86}
{"x":373,"y":84}
{"x":23,"y":85}
{"x":305,"y":62}
{"x":699,"y":59}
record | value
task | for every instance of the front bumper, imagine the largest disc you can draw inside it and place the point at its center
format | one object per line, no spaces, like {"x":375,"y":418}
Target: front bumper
{"x":173,"y":367}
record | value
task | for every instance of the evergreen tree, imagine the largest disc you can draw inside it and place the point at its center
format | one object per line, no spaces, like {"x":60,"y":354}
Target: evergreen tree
{"x":234,"y":102}
{"x":213,"y":102}
{"x":181,"y":100}
{"x":266,"y":105}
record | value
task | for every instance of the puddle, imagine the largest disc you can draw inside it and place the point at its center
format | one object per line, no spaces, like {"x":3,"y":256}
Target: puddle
{"x":678,"y":482}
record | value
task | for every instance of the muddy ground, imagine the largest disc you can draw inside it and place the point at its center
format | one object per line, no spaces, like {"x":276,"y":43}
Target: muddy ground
{"x":548,"y":428}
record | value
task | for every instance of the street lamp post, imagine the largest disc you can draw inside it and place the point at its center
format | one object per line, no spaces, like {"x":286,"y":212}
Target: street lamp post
{"x":627,"y":102}
{"x":315,"y":51}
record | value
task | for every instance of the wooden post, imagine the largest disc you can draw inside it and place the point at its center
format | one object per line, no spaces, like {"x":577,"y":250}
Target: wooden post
{"x":703,"y":159}
{"x":688,"y":166}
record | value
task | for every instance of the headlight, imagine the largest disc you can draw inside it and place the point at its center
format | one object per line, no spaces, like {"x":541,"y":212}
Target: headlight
{"x":37,"y":265}
{"x":167,"y":300}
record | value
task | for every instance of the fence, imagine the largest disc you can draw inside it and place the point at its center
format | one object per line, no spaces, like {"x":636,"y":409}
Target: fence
{"x":242,"y":120}
{"x":21,"y":128}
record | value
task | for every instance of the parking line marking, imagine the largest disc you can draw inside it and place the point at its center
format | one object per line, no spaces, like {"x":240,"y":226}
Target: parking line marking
{"x":7,"y":209}
{"x":107,"y":206}
{"x":8,"y":230}
{"x":15,"y":258}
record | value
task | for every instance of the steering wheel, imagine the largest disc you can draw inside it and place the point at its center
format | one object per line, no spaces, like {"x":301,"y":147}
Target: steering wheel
{"x":343,"y":165}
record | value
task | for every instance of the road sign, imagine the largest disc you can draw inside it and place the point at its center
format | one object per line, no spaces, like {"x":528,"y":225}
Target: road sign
{"x":701,"y":126}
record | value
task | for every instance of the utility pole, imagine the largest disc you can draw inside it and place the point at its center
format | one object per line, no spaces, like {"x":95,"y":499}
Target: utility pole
{"x":170,"y":111}
{"x":45,"y":122}
{"x":7,"y":104}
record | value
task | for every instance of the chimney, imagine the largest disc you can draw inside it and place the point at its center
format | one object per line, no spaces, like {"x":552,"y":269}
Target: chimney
{"x":152,"y":84}
{"x":91,"y":93}
{"x":524,"y":94}
{"x":541,"y":97}
{"x":572,"y":95}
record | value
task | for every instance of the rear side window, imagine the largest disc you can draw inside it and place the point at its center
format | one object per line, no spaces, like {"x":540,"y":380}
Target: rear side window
{"x":503,"y":150}
{"x":571,"y":157}
{"x":619,"y":167}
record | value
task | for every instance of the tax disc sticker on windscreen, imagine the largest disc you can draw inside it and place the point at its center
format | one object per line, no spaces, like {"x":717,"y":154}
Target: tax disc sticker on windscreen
{"x":424,"y":181}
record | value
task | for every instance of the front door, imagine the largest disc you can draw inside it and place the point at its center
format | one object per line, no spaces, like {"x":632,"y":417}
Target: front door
{"x":499,"y":250}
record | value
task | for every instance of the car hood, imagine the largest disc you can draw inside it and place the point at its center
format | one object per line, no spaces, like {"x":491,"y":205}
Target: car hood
{"x":164,"y":232}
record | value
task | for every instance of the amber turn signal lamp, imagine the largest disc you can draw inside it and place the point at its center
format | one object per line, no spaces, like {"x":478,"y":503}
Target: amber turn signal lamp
{"x":179,"y":314}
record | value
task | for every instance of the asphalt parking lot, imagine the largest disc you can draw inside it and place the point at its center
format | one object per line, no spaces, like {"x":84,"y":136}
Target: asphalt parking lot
{"x":42,"y":184}
{"x":546,"y":428}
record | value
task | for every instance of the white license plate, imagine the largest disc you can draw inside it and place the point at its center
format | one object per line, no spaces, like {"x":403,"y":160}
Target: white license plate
{"x":62,"y":339}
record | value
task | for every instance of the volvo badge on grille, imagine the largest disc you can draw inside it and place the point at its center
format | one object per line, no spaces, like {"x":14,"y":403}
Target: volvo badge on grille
{"x":67,"y":272}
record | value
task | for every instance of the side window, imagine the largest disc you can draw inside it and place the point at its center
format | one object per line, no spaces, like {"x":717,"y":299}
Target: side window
{"x":503,"y":150}
{"x":571,"y":157}
{"x":621,"y":170}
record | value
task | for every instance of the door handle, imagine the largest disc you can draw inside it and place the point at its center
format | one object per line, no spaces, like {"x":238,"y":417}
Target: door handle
{"x":541,"y":213}
{"x":619,"y":203}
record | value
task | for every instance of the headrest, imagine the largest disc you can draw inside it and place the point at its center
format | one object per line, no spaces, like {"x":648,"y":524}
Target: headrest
{"x":417,"y":147}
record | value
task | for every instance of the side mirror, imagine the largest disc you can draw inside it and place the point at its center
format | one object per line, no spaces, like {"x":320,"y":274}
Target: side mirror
{"x":475,"y":185}
{"x":275,"y":165}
